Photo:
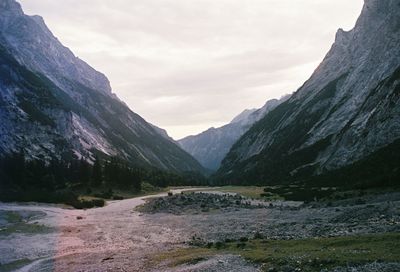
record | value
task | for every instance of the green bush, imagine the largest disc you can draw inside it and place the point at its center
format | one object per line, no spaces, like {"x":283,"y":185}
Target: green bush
{"x":219,"y":245}
{"x":98,"y":202}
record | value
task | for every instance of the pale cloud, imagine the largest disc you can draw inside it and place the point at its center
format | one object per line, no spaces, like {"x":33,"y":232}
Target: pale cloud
{"x":186,"y":65}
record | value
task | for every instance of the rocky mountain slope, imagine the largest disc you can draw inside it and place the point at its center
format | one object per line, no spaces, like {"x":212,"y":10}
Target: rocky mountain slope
{"x":212,"y":145}
{"x":52,"y":104}
{"x":347,"y":114}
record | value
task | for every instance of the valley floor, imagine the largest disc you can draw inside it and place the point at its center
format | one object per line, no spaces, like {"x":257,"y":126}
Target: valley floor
{"x":280,"y":237}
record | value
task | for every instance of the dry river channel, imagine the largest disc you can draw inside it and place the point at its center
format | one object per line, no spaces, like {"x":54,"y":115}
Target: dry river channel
{"x":117,"y":237}
{"x":111,"y":238}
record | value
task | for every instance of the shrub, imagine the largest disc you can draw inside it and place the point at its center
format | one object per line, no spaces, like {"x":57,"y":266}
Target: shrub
{"x":219,"y":245}
{"x":98,"y":202}
{"x":117,"y":197}
{"x":87,"y":204}
{"x":241,"y":245}
{"x":105,"y":195}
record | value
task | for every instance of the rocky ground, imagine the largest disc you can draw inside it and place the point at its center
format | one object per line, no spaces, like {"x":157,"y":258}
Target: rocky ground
{"x":345,"y":217}
{"x":131,"y":235}
{"x":369,"y":214}
{"x":194,"y":203}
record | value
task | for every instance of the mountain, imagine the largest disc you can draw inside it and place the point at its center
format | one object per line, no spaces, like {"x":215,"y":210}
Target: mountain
{"x":54,"y":105}
{"x":346,"y":116}
{"x":211,"y":146}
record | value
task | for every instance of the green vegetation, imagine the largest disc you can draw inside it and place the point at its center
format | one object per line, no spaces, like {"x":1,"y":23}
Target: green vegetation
{"x":307,"y":254}
{"x":119,"y":194}
{"x":378,"y":170}
{"x":287,"y":162}
{"x":312,"y":254}
{"x":296,"y":192}
{"x":17,"y":224}
{"x":183,"y":256}
{"x":63,"y":178}
{"x":275,"y":164}
{"x":254,"y":192}
{"x":87,"y":202}
{"x":13,"y":217}
{"x":299,"y":192}
{"x":13,"y":266}
{"x":24,"y":228}
{"x":64,"y":181}
{"x":246,"y":191}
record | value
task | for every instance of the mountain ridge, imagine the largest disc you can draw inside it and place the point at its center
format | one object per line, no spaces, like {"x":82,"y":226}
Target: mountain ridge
{"x":210,"y":147}
{"x":345,"y":111}
{"x":56,"y":105}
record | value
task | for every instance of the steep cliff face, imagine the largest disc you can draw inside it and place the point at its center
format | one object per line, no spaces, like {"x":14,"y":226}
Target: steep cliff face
{"x":55,"y":105}
{"x":346,"y":111}
{"x":211,"y":146}
{"x":34,"y":46}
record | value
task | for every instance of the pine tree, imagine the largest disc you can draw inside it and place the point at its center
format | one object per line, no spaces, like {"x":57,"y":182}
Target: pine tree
{"x":84,"y":172}
{"x":97,"y":173}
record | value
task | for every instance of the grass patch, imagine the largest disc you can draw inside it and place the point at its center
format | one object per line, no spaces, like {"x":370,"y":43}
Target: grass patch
{"x":254,"y":192}
{"x":14,"y":265}
{"x":246,"y":191}
{"x":13,"y":217}
{"x":306,"y":254}
{"x":24,"y":228}
{"x":16,"y":224}
{"x":181,"y":256}
{"x":314,"y":254}
{"x":299,"y":192}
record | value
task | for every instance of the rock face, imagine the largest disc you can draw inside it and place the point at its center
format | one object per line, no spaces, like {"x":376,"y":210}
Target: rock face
{"x":212,"y":145}
{"x":347,"y":111}
{"x":35,"y":47}
{"x":53,"y":104}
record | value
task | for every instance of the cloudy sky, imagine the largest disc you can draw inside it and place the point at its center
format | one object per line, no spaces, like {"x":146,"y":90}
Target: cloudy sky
{"x":187,"y":65}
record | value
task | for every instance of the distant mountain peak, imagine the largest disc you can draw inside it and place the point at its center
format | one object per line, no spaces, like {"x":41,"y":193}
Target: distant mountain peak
{"x":210,"y":147}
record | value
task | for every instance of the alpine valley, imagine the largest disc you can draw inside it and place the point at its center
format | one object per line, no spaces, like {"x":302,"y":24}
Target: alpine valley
{"x":308,"y":182}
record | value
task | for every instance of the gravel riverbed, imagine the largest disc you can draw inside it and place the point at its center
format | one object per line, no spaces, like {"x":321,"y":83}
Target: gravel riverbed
{"x":125,"y":237}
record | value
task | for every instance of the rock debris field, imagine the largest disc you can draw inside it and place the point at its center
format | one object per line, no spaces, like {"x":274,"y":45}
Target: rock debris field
{"x":128,"y":235}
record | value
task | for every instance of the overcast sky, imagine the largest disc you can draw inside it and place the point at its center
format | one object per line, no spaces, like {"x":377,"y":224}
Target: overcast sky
{"x":187,"y":65}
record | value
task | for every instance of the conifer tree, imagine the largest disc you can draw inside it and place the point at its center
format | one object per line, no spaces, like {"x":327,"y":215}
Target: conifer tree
{"x":84,"y":172}
{"x":97,"y":173}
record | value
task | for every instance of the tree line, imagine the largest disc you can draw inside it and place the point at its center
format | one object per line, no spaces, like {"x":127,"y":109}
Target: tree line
{"x":19,"y":174}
